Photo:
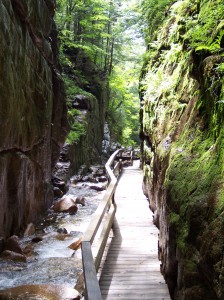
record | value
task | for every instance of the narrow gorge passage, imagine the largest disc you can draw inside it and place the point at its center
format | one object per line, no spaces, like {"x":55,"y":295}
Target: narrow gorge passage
{"x":69,"y":97}
{"x":131,"y":269}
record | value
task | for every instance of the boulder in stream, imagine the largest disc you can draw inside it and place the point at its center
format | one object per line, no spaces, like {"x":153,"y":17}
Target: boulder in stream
{"x":40,"y":291}
{"x":12,"y":244}
{"x":76,"y":245}
{"x":66,"y":204}
{"x":102,"y":179}
{"x":14,"y":256}
{"x":98,"y":188}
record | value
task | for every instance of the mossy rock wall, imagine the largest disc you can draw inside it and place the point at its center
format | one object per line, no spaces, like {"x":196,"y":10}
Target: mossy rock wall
{"x":87,"y":88}
{"x":87,"y":150}
{"x":32,"y":111}
{"x":182,"y":130}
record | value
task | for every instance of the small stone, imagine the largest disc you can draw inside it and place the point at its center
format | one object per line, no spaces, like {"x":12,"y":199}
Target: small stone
{"x":81,"y":201}
{"x":30,"y":230}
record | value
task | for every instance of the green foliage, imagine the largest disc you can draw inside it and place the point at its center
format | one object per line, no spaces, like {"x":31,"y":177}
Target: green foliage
{"x":154,"y":12}
{"x":212,"y":46}
{"x":207,"y":30}
{"x":103,"y":37}
{"x":123,"y":113}
{"x":77,"y":126}
{"x":84,"y":25}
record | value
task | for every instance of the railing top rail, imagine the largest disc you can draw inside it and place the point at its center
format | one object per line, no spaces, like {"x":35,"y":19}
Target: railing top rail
{"x":92,"y":285}
{"x":98,"y":215}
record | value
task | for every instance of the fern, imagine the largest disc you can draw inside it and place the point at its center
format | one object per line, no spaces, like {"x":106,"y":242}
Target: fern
{"x":214,"y":47}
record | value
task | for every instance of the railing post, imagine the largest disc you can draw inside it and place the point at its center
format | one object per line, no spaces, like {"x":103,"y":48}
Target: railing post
{"x":92,"y":288}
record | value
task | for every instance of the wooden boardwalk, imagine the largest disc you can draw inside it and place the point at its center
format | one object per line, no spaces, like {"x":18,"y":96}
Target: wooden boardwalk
{"x":130,"y":269}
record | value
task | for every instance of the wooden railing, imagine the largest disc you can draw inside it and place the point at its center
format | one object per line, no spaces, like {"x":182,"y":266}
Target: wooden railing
{"x":105,"y":212}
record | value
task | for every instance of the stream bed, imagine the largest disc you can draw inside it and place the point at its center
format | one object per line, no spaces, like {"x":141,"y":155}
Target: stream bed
{"x":49,"y":260}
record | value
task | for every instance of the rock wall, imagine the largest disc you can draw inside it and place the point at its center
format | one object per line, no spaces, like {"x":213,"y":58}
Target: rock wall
{"x":79,"y":155}
{"x":32,"y":111}
{"x":182,"y":146}
{"x":87,"y":95}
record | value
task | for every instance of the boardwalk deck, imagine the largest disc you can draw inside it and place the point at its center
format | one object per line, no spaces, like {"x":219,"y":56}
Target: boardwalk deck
{"x":130,"y":269}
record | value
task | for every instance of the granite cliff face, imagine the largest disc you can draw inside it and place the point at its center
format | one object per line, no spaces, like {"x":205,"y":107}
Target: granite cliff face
{"x":87,"y":94}
{"x":182,"y":132}
{"x":32,"y":111}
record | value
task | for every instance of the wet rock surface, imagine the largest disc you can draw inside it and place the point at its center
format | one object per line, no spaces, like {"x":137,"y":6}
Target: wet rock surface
{"x":44,"y":292}
{"x":32,"y":111}
{"x":182,"y":150}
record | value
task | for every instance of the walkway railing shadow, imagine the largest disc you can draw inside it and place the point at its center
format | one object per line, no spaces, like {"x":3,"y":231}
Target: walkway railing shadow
{"x":114,"y":244}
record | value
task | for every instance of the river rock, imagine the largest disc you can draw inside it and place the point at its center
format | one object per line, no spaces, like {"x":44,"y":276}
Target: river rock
{"x":98,"y":188}
{"x":93,"y":179}
{"x":62,"y":236}
{"x":12,"y":244}
{"x":14,"y":256}
{"x":30,"y":230}
{"x":80,"y":200}
{"x":60,"y":184}
{"x":40,"y":291}
{"x":66,"y":204}
{"x":76,"y":245}
{"x":102,"y":179}
{"x":28,"y":250}
{"x":85,"y":178}
{"x":37,"y":239}
{"x":76,"y":178}
{"x":62,"y":230}
{"x":57,"y":192}
{"x":80,"y":284}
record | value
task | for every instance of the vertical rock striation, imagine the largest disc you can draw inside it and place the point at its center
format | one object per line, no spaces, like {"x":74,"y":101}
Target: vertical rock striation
{"x":182,"y":145}
{"x":32,"y":111}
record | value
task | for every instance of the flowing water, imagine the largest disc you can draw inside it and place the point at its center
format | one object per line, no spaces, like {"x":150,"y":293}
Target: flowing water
{"x":50,"y":261}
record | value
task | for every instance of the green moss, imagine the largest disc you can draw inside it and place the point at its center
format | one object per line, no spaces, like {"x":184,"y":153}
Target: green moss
{"x":194,"y":178}
{"x":77,"y":125}
{"x":174,"y":219}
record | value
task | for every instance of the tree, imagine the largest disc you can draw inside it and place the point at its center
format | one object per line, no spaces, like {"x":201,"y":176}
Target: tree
{"x":107,"y":33}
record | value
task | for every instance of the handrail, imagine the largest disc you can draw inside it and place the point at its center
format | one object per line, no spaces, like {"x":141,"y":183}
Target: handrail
{"x":107,"y":205}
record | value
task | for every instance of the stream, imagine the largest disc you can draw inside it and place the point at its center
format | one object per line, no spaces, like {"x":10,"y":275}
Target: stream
{"x":48,"y":258}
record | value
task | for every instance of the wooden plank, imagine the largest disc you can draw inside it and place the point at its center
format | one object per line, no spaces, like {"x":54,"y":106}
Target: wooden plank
{"x":131,"y":269}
